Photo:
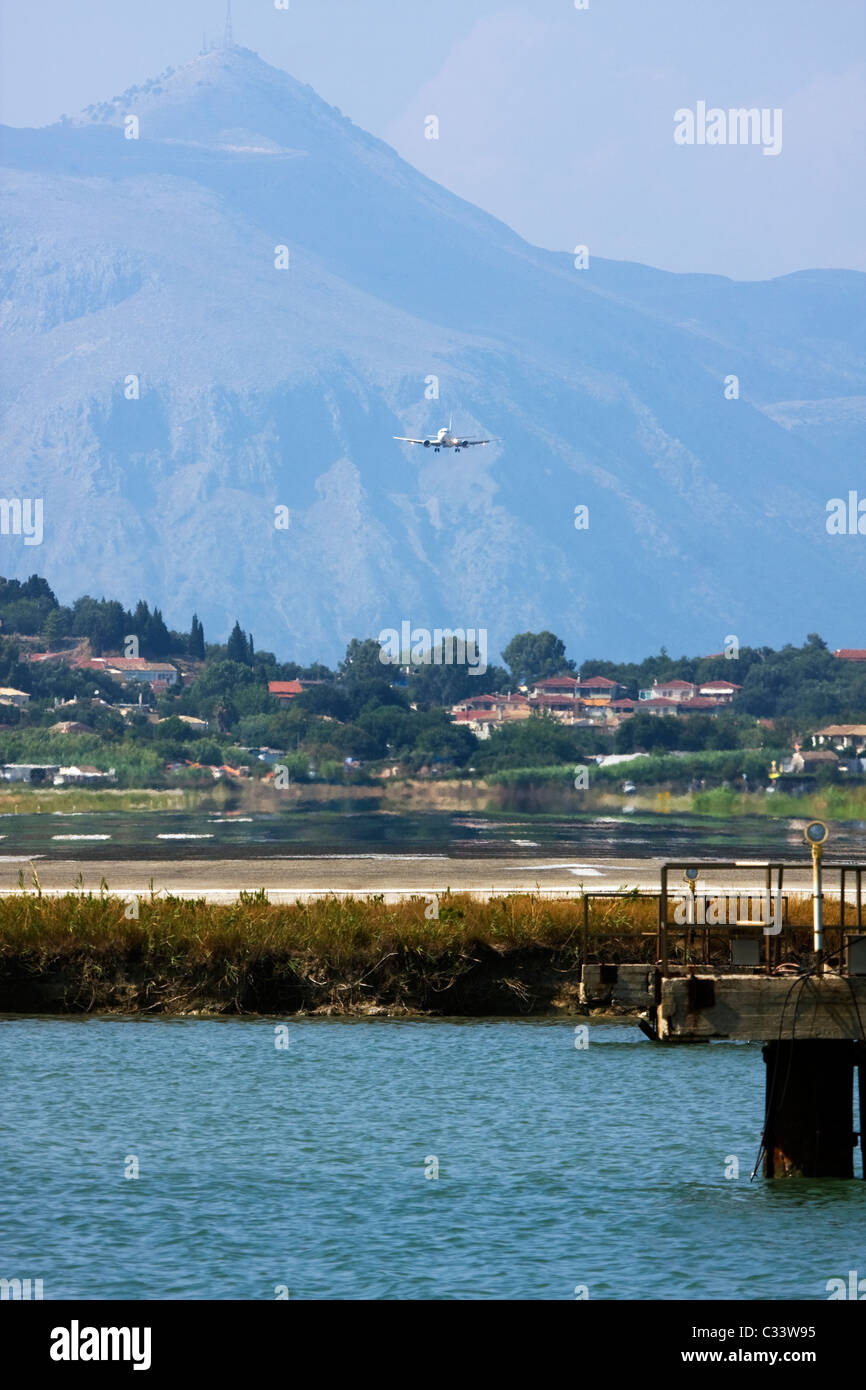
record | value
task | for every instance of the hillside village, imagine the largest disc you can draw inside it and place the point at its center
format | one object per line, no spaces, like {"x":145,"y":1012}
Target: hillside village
{"x":74,"y":711}
{"x":594,"y":702}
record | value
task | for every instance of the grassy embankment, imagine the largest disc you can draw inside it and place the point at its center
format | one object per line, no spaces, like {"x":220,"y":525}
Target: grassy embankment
{"x":512,"y":955}
{"x":18,"y":800}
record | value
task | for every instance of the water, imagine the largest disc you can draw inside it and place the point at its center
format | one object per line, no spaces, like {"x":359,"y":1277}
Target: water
{"x":353,"y":830}
{"x":305,"y":1167}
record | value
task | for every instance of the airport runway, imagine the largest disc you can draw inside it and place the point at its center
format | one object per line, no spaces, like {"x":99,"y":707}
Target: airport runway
{"x":394,"y":876}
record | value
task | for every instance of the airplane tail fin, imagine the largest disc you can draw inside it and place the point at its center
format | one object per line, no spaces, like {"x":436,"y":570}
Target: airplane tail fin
{"x":451,"y":422}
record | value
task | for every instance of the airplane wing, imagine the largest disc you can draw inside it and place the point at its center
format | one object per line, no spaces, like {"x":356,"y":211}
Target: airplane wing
{"x":467,"y":443}
{"x":401,"y":438}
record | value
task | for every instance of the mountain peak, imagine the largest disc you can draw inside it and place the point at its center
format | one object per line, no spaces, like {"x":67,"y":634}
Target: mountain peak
{"x":223,"y":98}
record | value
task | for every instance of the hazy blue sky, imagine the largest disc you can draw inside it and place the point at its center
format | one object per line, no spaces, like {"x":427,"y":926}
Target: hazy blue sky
{"x":557,"y":120}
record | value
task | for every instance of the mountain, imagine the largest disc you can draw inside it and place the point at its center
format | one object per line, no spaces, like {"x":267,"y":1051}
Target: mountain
{"x":262,"y":387}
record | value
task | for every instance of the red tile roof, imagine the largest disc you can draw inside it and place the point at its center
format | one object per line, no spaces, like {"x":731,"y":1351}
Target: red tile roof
{"x":599,"y":683}
{"x":851,"y":653}
{"x":560,"y":682}
{"x":284,"y":687}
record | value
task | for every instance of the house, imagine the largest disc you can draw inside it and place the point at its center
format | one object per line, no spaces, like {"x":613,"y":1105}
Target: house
{"x":564,"y":708}
{"x":70,"y":726}
{"x":284,"y":690}
{"x":841,"y":736}
{"x":10,"y":696}
{"x":477,"y":702}
{"x":198,"y":726}
{"x":615,"y":711}
{"x":30,"y":772}
{"x":480,"y":722}
{"x":555,"y":685}
{"x":598,"y":690}
{"x":670,"y":690}
{"x":514,"y":707}
{"x":483,"y":713}
{"x":693,"y":698}
{"x":157,"y":674}
{"x":722,"y":692}
{"x":83,"y":775}
{"x":851,"y":653}
{"x":650,"y":704}
{"x":807,"y":764}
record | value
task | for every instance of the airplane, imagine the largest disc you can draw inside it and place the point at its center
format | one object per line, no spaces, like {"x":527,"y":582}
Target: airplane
{"x":445,"y":440}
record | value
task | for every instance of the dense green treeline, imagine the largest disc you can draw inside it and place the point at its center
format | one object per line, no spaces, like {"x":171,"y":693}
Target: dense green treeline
{"x":372,"y":713}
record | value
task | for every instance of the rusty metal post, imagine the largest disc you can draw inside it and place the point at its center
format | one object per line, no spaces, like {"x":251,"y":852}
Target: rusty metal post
{"x":662,"y":946}
{"x":809,"y":1113}
{"x":768,"y":963}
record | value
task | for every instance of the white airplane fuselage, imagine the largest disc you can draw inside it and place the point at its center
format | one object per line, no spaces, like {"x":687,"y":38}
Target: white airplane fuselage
{"x":443,"y":439}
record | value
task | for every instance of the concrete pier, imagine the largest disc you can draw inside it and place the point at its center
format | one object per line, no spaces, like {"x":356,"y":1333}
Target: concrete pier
{"x":761,"y":1008}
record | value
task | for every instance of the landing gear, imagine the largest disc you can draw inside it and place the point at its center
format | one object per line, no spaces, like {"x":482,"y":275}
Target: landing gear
{"x":457,"y":451}
{"x":435,"y":451}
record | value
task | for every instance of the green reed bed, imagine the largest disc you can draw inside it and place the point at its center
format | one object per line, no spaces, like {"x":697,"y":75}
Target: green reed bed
{"x":517,"y":953}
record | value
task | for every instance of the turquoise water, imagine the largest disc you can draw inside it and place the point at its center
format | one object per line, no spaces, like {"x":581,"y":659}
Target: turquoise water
{"x":305,"y":1167}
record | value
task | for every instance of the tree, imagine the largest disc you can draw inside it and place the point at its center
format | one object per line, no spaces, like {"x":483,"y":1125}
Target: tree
{"x":225,"y":715}
{"x":534,"y":742}
{"x":363,"y":659}
{"x":105,"y":624}
{"x":57,"y":625}
{"x":446,"y":684}
{"x":530,"y":656}
{"x":157,"y":641}
{"x":238,"y":647}
{"x":195,"y":645}
{"x":647,"y":733}
{"x":329,"y":700}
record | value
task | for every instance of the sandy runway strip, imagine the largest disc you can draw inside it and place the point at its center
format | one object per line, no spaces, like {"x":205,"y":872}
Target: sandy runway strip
{"x":394,"y":876}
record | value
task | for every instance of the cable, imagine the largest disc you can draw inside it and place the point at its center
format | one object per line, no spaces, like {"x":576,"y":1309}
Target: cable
{"x":801,"y":980}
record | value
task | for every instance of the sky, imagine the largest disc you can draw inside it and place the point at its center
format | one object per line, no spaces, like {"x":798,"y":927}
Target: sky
{"x":558,"y":120}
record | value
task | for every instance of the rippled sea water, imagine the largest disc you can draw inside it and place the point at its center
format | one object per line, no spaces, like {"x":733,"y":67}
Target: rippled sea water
{"x":305,"y":1166}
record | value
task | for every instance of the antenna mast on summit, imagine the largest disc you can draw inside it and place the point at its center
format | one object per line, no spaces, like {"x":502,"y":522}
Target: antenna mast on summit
{"x":228,"y":42}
